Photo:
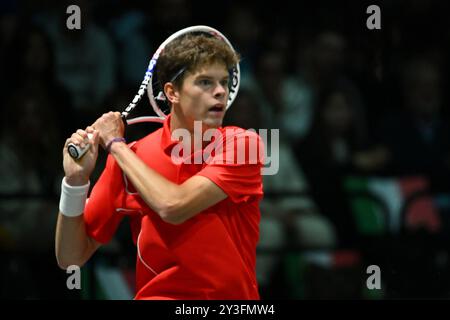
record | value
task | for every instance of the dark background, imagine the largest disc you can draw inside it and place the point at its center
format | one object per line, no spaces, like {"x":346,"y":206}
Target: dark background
{"x":363,"y":118}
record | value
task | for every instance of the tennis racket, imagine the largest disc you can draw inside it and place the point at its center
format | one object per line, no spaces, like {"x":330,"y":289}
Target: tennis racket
{"x":155,"y":91}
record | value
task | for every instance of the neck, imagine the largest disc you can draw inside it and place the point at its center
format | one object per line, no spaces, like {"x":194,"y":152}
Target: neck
{"x":188,"y":130}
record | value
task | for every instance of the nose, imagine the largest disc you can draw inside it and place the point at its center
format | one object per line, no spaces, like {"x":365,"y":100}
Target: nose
{"x":220,"y":90}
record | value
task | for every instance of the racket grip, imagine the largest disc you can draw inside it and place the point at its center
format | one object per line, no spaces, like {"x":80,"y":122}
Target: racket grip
{"x":76,"y":151}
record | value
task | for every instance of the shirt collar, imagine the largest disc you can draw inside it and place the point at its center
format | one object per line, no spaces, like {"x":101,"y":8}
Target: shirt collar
{"x":166,"y":138}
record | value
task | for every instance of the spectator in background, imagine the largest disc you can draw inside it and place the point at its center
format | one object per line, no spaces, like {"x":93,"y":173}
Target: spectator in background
{"x":327,"y":154}
{"x":244,"y":27}
{"x":319,"y":64}
{"x":168,"y":16}
{"x":29,"y":179}
{"x":33,"y":75}
{"x":417,"y":136}
{"x":130,"y":31}
{"x":85,"y":59}
{"x":260,"y":102}
{"x":29,"y":135}
{"x":265,"y":83}
{"x":35,"y":117}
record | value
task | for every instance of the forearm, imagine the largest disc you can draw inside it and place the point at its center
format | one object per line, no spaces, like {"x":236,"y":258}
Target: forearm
{"x":161,"y":195}
{"x":73,"y":246}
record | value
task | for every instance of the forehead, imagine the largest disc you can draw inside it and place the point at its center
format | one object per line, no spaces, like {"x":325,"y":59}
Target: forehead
{"x":216,"y":68}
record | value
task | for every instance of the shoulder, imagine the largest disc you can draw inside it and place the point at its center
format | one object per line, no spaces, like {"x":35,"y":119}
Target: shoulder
{"x":240,"y":133}
{"x":238,"y":144}
{"x":243,"y":138}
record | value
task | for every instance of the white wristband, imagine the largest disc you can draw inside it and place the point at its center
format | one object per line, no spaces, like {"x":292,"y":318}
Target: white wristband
{"x":73,"y":199}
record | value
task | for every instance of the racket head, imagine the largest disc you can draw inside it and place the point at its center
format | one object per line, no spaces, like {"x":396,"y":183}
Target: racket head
{"x":155,"y":92}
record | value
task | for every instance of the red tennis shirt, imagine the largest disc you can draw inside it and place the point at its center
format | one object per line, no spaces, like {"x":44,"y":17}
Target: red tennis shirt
{"x":210,"y":256}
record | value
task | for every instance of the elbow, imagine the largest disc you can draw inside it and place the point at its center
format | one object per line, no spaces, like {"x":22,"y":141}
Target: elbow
{"x":173,"y":220}
{"x":66,"y":262}
{"x":64,"y":265}
{"x":61,"y":263}
{"x":171,"y":213}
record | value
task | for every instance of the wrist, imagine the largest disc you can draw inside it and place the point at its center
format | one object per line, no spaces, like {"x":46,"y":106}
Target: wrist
{"x":114,"y":141}
{"x":76,"y":180}
{"x":73,"y":199}
{"x":115,"y":147}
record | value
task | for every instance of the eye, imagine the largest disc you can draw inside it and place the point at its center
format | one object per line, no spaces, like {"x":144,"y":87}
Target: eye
{"x":225,"y":83}
{"x":204,"y":82}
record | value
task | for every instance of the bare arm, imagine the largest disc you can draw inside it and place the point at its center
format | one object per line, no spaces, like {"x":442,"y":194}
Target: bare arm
{"x":72,"y":244}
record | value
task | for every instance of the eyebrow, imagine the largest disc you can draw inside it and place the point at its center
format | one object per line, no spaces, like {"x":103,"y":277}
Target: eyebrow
{"x":205,"y":76}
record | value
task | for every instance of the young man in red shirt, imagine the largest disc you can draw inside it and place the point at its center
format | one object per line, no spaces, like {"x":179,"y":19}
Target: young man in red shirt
{"x":195,"y":224}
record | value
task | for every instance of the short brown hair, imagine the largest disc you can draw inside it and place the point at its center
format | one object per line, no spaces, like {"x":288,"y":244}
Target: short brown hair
{"x":190,"y":52}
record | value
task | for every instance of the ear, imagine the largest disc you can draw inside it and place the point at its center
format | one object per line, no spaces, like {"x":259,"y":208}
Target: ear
{"x":171,"y":93}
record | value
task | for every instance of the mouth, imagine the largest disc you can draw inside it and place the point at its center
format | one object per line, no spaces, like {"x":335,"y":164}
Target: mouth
{"x":217,"y":108}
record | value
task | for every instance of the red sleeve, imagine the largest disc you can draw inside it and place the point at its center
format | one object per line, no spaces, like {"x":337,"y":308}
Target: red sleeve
{"x":100,"y":216}
{"x":238,"y":174}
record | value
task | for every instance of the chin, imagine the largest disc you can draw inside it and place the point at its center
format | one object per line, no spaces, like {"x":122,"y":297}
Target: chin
{"x":213,"y":123}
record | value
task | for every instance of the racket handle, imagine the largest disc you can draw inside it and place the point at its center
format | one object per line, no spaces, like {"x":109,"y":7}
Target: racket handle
{"x":76,"y":151}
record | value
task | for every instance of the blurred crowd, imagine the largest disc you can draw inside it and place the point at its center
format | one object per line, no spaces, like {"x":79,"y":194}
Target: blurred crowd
{"x":363,"y":119}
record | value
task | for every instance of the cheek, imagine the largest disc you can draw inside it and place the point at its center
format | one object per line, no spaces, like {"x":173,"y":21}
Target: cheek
{"x":193,"y":103}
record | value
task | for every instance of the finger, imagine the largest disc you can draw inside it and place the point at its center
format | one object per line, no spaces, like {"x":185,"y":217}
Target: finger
{"x":82,"y":133}
{"x":90,"y":133}
{"x":96,"y":137}
{"x":94,"y":141}
{"x":92,"y":137}
{"x":78,"y":140}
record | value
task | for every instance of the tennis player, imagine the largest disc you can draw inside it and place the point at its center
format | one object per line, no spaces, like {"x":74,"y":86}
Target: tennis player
{"x":195,"y":226}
